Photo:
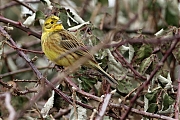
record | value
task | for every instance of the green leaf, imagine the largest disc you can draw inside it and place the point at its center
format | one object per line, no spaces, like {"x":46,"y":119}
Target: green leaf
{"x":19,"y":101}
{"x":64,"y":17}
{"x":152,"y":96}
{"x":167,"y":101}
{"x":172,"y":14}
{"x":153,"y":108}
{"x":143,"y":52}
{"x":103,"y":2}
{"x":56,"y":5}
{"x":87,"y":81}
{"x":59,"y":102}
{"x":146,"y":63}
{"x":125,"y":86}
{"x":39,"y":15}
{"x":165,"y":82}
{"x":127,"y":52}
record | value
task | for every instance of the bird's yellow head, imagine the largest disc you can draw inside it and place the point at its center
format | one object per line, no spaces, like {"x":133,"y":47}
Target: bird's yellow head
{"x":52,"y":23}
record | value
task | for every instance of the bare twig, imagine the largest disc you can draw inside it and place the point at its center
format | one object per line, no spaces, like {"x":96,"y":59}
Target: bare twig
{"x":82,"y":92}
{"x":22,"y":70}
{"x":15,"y":90}
{"x":156,"y":41}
{"x":20,"y":26}
{"x":116,"y":11}
{"x":119,"y":56}
{"x":25,"y":5}
{"x":12,"y":3}
{"x":62,"y":112}
{"x":83,"y":11}
{"x":25,"y":50}
{"x":139,"y":112}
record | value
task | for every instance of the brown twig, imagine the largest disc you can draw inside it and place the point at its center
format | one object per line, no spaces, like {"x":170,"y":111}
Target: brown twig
{"x":84,"y":8}
{"x":25,"y":50}
{"x":126,"y":30}
{"x":156,"y":41}
{"x":15,"y":90}
{"x":116,"y":11}
{"x":25,"y":5}
{"x":24,"y":45}
{"x":21,"y":71}
{"x":119,"y":56}
{"x":20,"y":26}
{"x":82,"y":92}
{"x":62,"y":112}
{"x":139,"y":112}
{"x":12,"y":3}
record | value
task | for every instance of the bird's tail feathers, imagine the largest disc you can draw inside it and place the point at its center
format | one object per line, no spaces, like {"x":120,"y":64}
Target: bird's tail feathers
{"x":109,"y":78}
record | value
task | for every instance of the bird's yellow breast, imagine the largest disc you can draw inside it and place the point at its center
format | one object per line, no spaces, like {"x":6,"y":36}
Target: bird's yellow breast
{"x":55,"y":52}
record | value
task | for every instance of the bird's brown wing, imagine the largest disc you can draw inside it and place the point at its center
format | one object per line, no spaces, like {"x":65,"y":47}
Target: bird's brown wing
{"x":70,"y":42}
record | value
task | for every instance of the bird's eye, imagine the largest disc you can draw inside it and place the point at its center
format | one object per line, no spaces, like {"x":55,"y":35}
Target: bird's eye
{"x":52,"y":22}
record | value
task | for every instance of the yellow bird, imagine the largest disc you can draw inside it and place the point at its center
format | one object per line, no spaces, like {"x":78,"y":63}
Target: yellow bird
{"x":56,"y":41}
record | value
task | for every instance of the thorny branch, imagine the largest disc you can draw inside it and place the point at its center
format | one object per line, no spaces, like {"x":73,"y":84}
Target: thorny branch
{"x":118,"y":56}
{"x":16,"y":91}
{"x":12,"y":3}
{"x":20,"y":26}
{"x":22,"y":70}
{"x":24,"y":4}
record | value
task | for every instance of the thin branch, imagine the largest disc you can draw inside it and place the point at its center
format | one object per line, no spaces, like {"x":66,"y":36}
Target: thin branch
{"x":22,"y":70}
{"x":156,"y":41}
{"x":12,"y":3}
{"x":23,"y":45}
{"x":84,"y":8}
{"x":25,"y":50}
{"x":116,"y":12}
{"x":25,"y":5}
{"x":20,"y":26}
{"x":15,"y":90}
{"x":119,"y":56}
{"x":139,"y":112}
{"x":81,"y":91}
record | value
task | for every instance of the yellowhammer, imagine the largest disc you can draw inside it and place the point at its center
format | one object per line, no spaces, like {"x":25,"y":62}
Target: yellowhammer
{"x":57,"y":41}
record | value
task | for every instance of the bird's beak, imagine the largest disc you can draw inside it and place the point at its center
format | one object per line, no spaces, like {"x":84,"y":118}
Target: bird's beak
{"x":59,"y":22}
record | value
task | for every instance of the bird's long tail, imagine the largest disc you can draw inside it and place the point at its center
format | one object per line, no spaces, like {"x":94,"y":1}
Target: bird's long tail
{"x":109,"y":78}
